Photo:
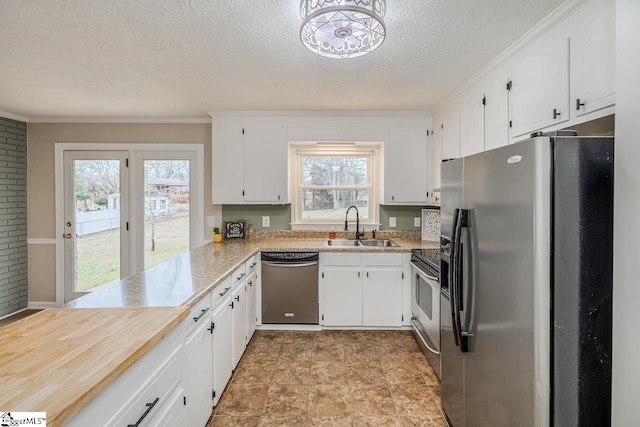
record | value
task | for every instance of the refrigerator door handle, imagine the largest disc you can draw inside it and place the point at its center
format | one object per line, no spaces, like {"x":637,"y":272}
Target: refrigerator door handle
{"x":467,"y":283}
{"x":452,"y":277}
{"x":456,"y":288}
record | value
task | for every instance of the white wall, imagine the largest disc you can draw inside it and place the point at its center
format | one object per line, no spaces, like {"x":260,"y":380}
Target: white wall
{"x":626,"y":283}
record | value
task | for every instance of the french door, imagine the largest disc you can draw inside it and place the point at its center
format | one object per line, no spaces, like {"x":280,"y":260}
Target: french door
{"x":127,"y":211}
{"x":163,"y":208}
{"x":96,"y":206}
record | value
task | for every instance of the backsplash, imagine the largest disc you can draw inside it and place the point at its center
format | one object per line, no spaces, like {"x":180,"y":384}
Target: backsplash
{"x":323,"y":234}
{"x":281,"y":216}
{"x":431,"y":225}
{"x":252,"y":214}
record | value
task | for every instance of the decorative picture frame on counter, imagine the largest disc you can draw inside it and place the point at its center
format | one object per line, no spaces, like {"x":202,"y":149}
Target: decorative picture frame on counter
{"x":235,"y":230}
{"x":431,"y":225}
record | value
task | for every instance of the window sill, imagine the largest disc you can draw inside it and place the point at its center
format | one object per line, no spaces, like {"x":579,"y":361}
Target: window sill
{"x":337,"y":226}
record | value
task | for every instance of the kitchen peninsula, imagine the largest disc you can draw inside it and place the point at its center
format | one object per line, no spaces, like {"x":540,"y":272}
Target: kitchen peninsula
{"x":61,"y":359}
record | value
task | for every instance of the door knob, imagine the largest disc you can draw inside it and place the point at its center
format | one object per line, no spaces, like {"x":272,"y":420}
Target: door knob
{"x":68,"y":236}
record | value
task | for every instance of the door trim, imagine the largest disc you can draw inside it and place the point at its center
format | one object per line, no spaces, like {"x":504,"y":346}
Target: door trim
{"x":61,"y":147}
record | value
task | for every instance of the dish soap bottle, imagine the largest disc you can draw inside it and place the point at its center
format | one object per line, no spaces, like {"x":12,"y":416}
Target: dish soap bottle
{"x":332,"y":233}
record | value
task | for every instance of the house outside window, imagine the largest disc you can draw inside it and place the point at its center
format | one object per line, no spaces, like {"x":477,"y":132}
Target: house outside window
{"x":326,"y":180}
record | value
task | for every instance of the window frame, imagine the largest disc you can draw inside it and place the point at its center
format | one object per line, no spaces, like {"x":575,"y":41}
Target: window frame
{"x":299,"y":150}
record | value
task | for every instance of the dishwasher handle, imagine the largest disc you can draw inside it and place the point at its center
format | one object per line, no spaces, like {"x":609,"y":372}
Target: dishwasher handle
{"x":289,"y":264}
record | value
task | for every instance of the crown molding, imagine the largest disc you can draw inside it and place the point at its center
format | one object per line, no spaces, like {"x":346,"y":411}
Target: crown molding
{"x":323,"y":113}
{"x":173,"y":120}
{"x":12,"y":116}
{"x":550,"y":21}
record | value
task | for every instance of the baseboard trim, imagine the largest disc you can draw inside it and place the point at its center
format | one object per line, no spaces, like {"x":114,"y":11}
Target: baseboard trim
{"x":13,"y":314}
{"x":296,"y":327}
{"x":39,"y":305}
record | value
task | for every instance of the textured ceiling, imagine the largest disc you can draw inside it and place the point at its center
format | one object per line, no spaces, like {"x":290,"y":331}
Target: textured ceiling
{"x":182,"y":58}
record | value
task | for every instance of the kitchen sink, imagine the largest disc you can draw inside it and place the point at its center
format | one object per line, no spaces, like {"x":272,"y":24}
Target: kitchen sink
{"x":352,"y":243}
{"x":347,"y":243}
{"x":379,"y":243}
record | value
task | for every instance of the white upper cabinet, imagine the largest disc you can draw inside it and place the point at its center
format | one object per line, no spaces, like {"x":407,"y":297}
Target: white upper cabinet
{"x":265,"y":163}
{"x":249,"y":161}
{"x":450,"y":133}
{"x":496,"y":110}
{"x":593,"y":59}
{"x":407,"y":170}
{"x":539,"y":94}
{"x":227,"y":155}
{"x":472,"y":121}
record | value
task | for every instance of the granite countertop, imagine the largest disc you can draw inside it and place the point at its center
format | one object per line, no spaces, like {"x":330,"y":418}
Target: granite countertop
{"x":187,"y":278}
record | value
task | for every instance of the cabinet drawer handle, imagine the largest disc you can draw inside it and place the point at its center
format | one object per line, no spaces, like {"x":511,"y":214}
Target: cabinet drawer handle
{"x":225,"y":291}
{"x":146,"y":412}
{"x":240,"y":276}
{"x":195,"y":319}
{"x":253,"y":265}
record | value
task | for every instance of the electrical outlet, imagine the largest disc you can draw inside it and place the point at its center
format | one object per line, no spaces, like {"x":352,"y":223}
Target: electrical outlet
{"x":392,"y":221}
{"x":266,"y":221}
{"x":210,"y":221}
{"x":416,"y":221}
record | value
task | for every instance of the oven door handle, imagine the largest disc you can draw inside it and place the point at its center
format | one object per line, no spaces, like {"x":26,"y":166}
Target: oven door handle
{"x":435,"y":279}
{"x":432,"y":350}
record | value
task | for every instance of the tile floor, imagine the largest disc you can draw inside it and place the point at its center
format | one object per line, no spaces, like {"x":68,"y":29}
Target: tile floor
{"x":331,"y":378}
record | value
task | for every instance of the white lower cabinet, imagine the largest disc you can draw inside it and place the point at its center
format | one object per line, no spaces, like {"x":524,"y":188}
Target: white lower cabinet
{"x":362,"y":289}
{"x":198,"y":379}
{"x":239,"y":321}
{"x":174,"y":412}
{"x":342,"y":297}
{"x":406,"y":290}
{"x":146,"y":390}
{"x":252,"y":285}
{"x":222,"y":346}
{"x":382,"y":297}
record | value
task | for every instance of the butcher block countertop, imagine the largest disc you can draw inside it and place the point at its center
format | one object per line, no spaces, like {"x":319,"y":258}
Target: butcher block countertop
{"x":57,"y":360}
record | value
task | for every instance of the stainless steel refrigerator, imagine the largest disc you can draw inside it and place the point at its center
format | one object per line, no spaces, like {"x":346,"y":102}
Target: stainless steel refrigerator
{"x":527,"y":232}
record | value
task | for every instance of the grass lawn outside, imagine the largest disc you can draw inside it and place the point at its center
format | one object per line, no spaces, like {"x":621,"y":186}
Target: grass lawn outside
{"x":98,"y":255}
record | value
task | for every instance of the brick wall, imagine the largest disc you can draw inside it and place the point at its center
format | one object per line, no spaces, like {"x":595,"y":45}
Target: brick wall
{"x":13,"y":216}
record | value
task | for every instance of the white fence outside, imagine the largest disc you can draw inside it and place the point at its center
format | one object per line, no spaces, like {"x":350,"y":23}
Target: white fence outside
{"x":97,"y":221}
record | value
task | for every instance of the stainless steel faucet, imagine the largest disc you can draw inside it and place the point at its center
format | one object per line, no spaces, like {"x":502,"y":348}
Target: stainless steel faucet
{"x":346,"y":222}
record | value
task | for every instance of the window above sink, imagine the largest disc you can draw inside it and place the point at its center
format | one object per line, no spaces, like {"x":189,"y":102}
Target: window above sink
{"x":327,"y":178}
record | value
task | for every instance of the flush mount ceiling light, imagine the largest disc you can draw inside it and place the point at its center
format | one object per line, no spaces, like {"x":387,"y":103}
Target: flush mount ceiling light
{"x":342,"y":28}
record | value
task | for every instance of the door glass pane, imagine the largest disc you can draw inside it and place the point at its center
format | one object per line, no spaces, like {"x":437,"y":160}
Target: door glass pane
{"x":97,"y":223}
{"x":166,"y":212}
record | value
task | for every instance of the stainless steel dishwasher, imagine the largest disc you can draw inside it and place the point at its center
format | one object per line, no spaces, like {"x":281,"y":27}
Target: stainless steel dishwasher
{"x":290,"y":287}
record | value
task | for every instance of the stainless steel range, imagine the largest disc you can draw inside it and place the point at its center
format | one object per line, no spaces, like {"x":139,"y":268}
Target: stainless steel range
{"x":425,"y":302}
